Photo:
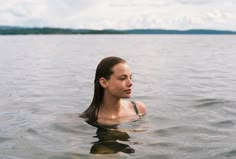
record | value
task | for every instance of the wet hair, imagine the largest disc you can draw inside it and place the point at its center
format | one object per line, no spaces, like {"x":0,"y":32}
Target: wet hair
{"x":104,"y":69}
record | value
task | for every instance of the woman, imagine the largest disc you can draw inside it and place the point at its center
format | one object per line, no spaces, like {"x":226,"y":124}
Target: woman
{"x":113,"y":81}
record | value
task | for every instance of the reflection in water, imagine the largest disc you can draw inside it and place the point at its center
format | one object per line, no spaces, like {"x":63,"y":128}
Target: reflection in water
{"x":108,"y":142}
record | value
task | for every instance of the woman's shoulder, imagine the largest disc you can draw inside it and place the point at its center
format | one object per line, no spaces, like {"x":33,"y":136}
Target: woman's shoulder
{"x":141,"y":107}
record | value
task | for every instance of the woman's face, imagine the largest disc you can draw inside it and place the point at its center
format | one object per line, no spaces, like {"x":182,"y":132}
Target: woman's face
{"x":120,"y":82}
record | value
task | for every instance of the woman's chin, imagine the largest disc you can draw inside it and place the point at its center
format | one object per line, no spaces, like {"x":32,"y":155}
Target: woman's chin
{"x":127,"y":96}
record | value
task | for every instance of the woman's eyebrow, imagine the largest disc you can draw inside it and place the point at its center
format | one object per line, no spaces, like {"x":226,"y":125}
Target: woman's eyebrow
{"x":125,"y":75}
{"x":122,"y":75}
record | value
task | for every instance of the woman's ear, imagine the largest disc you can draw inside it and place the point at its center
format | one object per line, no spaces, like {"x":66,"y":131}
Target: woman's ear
{"x":103,"y":82}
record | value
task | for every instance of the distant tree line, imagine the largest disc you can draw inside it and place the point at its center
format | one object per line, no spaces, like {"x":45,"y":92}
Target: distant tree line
{"x":15,"y":31}
{"x":47,"y":30}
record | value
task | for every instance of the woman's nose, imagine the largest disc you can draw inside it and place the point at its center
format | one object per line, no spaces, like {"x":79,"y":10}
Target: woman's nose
{"x":130,"y":83}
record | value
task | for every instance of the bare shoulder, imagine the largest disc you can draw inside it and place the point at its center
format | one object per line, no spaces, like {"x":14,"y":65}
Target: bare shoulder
{"x":141,"y":107}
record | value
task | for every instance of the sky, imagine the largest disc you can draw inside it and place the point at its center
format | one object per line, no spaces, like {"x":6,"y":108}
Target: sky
{"x":120,"y":14}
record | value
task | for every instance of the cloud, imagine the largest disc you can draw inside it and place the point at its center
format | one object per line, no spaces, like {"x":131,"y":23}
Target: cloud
{"x":121,"y":14}
{"x":194,"y":2}
{"x":18,"y":12}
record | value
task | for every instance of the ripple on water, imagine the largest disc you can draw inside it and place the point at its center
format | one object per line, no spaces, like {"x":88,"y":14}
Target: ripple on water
{"x":11,"y":157}
{"x":210,"y":102}
{"x":183,"y":130}
{"x":231,"y":153}
{"x":224,"y":124}
{"x":3,"y":139}
{"x":163,"y":144}
{"x":230,"y":109}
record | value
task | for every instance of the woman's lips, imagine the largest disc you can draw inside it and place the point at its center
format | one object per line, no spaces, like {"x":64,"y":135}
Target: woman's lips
{"x":128,"y":90}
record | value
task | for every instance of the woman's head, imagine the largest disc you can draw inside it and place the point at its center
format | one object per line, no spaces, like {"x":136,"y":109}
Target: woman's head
{"x":104,"y":68}
{"x":104,"y":71}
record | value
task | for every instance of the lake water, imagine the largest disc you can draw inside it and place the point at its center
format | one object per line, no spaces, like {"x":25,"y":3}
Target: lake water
{"x":188,"y":83}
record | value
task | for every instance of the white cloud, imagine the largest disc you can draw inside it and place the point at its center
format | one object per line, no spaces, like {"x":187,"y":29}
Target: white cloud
{"x":120,"y":14}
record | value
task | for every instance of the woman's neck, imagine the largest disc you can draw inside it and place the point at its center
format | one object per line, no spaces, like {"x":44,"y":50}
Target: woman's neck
{"x":111,"y":105}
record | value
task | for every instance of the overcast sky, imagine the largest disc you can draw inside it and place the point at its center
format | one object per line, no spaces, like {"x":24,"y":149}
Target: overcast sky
{"x":120,"y":14}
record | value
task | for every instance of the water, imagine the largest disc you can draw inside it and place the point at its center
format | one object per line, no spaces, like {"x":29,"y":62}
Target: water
{"x":188,"y":83}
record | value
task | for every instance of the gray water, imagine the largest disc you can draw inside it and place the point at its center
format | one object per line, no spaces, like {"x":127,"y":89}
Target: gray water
{"x":188,"y":83}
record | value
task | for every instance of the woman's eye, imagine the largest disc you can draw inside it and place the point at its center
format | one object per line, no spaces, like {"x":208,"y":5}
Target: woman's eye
{"x":122,"y":78}
{"x":125,"y":78}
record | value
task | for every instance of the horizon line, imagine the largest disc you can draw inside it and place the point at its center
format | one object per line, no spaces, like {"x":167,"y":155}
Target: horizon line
{"x":18,"y":30}
{"x":104,"y":29}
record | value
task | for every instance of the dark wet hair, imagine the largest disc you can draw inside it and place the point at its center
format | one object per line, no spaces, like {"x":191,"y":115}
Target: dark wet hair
{"x":104,"y":69}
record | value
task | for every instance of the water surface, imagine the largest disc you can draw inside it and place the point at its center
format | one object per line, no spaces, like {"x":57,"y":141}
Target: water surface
{"x":187,"y":82}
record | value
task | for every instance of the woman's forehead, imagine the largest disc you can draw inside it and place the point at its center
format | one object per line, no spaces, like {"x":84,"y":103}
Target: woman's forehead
{"x":121,"y":68}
